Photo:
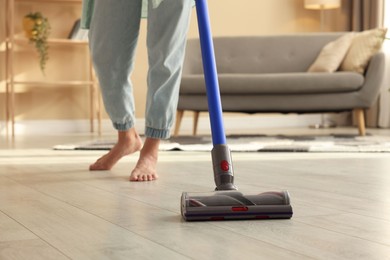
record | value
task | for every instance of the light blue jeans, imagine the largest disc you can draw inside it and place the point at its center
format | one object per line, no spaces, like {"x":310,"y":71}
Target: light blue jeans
{"x":113,"y":39}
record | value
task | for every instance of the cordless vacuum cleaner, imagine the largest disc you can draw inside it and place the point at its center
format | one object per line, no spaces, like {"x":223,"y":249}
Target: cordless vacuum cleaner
{"x":226,"y":202}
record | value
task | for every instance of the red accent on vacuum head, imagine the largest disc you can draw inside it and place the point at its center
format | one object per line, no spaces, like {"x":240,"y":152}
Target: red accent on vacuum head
{"x":262,"y":217}
{"x":224,"y":166}
{"x":240,"y":208}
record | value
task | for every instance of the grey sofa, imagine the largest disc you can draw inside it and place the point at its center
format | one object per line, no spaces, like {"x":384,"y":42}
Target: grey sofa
{"x":260,"y":74}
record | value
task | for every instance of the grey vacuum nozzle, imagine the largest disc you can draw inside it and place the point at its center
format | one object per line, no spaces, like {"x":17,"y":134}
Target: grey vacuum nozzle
{"x":223,"y":205}
{"x":223,"y":168}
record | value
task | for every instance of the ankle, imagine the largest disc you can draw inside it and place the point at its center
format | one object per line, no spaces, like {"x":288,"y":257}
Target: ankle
{"x":150,"y":148}
{"x":128,"y":135}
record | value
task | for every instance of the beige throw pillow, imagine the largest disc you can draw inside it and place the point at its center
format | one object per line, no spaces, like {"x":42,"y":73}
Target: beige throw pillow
{"x":332,"y":54}
{"x":364,"y":45}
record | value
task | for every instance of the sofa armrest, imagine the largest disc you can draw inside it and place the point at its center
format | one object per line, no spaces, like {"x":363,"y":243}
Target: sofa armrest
{"x":370,"y":90}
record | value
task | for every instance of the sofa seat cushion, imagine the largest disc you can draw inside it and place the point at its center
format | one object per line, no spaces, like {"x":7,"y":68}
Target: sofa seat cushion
{"x":276,"y":83}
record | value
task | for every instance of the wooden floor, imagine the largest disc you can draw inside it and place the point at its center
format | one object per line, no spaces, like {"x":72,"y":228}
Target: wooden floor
{"x":52,"y":207}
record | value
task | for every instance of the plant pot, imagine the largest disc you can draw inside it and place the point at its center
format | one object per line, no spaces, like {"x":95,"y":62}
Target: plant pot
{"x":28,"y":26}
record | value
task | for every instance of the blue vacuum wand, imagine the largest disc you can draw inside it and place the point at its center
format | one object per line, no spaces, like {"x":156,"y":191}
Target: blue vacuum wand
{"x":222,"y":163}
{"x":226,"y":202}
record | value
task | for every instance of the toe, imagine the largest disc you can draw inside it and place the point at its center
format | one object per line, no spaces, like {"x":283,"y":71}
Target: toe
{"x":98,"y":167}
{"x":93,"y":167}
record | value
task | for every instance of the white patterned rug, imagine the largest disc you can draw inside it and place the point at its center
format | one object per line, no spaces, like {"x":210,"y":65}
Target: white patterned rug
{"x":258,"y":143}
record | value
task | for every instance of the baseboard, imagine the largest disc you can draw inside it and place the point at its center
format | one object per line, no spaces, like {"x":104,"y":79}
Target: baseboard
{"x":232,"y":124}
{"x":252,"y":123}
{"x":54,"y":127}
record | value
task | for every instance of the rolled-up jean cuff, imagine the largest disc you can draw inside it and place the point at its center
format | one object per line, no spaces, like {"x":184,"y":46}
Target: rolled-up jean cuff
{"x":157,"y":133}
{"x":123,"y":126}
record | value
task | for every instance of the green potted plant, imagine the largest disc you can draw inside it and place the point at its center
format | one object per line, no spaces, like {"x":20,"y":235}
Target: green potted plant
{"x":37,"y":30}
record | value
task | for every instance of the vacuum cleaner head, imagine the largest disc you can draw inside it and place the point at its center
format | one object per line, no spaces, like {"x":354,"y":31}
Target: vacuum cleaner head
{"x":225,"y":205}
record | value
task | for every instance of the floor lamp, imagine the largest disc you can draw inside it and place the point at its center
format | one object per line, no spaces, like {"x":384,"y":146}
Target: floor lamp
{"x":322,"y":5}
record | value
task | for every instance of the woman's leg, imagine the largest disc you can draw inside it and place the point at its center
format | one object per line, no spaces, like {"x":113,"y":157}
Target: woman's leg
{"x":113,"y":39}
{"x":166,"y":39}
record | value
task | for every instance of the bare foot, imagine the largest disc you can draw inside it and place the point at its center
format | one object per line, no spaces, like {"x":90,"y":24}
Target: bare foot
{"x":145,"y":170}
{"x":128,"y":142}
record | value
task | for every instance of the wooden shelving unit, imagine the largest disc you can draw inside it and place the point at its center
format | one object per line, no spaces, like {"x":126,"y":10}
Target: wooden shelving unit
{"x":12,"y":41}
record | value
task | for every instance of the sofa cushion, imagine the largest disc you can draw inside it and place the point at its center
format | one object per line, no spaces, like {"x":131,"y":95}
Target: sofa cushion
{"x":332,"y":54}
{"x":277,"y":83}
{"x":364,"y":45}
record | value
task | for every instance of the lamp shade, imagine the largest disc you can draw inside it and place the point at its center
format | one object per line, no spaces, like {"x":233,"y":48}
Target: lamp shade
{"x":322,"y":4}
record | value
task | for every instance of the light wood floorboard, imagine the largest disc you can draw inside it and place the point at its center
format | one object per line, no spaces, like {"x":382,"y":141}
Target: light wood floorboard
{"x":52,"y":207}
